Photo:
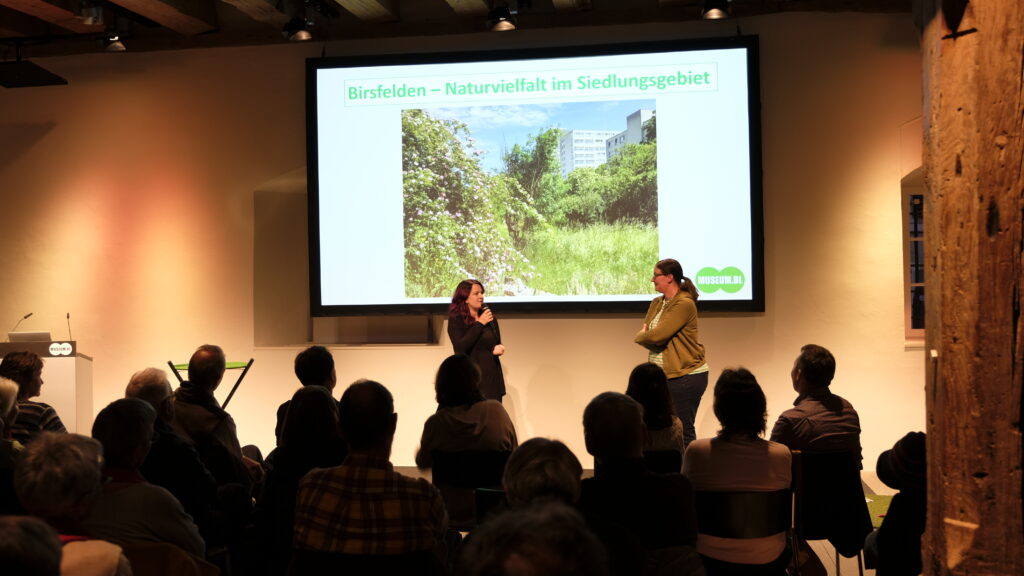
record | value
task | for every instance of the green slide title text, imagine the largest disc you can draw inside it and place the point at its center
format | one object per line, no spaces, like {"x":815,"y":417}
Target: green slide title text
{"x":526,"y":85}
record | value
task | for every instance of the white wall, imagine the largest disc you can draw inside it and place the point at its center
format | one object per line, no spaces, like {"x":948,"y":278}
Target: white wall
{"x":128,"y":202}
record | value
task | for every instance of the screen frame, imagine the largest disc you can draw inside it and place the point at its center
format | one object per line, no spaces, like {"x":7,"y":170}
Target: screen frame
{"x":749,"y":43}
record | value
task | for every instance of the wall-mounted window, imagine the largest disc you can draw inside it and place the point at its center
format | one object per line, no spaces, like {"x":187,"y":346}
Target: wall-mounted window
{"x":912,"y":206}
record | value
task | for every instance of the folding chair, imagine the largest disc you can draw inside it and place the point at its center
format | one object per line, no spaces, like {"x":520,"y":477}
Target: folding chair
{"x":458,"y":474}
{"x":830,"y":503}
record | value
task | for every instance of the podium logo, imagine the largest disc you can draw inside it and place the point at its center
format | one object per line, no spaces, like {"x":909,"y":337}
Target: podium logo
{"x":60,"y":349}
{"x":729,"y":279}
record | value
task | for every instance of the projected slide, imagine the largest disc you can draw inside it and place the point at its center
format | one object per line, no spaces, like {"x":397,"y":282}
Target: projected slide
{"x":530,"y":210}
{"x":558,"y":182}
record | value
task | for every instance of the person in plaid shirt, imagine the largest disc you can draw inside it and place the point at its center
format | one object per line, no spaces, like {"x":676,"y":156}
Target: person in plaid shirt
{"x":364,"y":507}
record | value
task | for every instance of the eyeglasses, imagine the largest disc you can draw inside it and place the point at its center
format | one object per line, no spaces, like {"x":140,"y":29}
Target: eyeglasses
{"x":656,"y":275}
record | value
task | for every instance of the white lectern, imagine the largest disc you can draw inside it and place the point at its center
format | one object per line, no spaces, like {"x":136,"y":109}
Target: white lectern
{"x":67,"y":380}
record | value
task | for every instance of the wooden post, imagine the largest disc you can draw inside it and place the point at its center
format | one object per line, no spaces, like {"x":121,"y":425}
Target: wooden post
{"x":974,"y":172}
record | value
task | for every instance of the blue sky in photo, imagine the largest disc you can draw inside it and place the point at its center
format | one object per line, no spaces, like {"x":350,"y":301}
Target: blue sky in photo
{"x":497,"y":128}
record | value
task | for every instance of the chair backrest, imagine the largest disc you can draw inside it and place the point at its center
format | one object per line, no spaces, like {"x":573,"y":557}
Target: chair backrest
{"x":160,"y":559}
{"x":419,"y":563}
{"x":674,"y":561}
{"x":489,"y":501}
{"x":469,"y":468}
{"x":664,"y":461}
{"x":830,"y":501}
{"x":458,"y":474}
{"x":743,"y":514}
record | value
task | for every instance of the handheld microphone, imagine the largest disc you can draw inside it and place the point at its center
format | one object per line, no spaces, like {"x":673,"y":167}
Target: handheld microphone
{"x":69,"y":327}
{"x":492,"y":324}
{"x":23,"y":318}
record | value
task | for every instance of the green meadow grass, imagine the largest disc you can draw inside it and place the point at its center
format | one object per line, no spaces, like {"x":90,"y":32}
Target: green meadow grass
{"x":597,"y":259}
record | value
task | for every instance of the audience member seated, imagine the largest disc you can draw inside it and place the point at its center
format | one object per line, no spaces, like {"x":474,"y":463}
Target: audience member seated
{"x":10,"y":450}
{"x":464,"y":420}
{"x":199,"y":417}
{"x":28,"y":546}
{"x":57,"y":479}
{"x":819,"y":421}
{"x":130,"y":510}
{"x":739,"y":460}
{"x":649,"y":387}
{"x":895,"y":548}
{"x":548,"y":539}
{"x":26,"y":370}
{"x":542,"y":470}
{"x":314,"y":366}
{"x":656,"y":508}
{"x":173,"y":462}
{"x":311,"y":438}
{"x":364,"y":507}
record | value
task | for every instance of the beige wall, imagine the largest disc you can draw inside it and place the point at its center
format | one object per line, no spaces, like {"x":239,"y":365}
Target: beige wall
{"x":129,"y":200}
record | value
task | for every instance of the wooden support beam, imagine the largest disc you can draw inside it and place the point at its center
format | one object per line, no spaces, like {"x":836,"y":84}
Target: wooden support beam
{"x":371,"y":10}
{"x":469,"y":7}
{"x":188,"y":17}
{"x":974,"y":246}
{"x":260,"y":10}
{"x":60,"y":13}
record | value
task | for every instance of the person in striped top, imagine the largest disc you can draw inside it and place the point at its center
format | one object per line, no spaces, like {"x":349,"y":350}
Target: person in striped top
{"x":26,"y":369}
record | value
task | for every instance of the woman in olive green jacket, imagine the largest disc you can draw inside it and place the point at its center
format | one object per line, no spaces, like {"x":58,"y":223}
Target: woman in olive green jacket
{"x":670,"y":336}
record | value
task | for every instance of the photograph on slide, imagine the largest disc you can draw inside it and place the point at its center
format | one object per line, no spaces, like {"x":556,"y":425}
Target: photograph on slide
{"x":531,"y":199}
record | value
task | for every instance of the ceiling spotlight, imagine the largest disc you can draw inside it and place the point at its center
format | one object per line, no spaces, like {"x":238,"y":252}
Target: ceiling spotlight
{"x":297,"y":30}
{"x":715,"y":9}
{"x":501,"y":18}
{"x":112,"y":43}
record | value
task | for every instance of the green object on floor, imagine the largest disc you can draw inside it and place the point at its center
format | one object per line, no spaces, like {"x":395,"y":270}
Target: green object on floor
{"x":878,"y":505}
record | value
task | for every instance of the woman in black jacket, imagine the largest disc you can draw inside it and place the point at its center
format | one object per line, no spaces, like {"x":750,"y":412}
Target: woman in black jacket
{"x":474,"y":332}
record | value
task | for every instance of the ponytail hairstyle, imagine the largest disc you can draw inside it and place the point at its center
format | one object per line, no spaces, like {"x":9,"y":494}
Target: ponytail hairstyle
{"x":670,"y":266}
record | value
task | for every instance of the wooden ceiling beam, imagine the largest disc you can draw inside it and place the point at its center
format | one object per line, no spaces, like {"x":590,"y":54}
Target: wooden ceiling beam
{"x":260,"y":11}
{"x":371,"y":10}
{"x":188,"y":17}
{"x":568,"y":5}
{"x":14,"y":24}
{"x":469,"y":7}
{"x":62,"y":13}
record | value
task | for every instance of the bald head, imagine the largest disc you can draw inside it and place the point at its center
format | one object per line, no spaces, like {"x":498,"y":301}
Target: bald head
{"x":613,"y":427}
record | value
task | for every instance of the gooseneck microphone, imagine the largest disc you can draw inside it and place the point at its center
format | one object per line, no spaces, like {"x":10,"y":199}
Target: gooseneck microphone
{"x":69,"y":327}
{"x":23,"y":318}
